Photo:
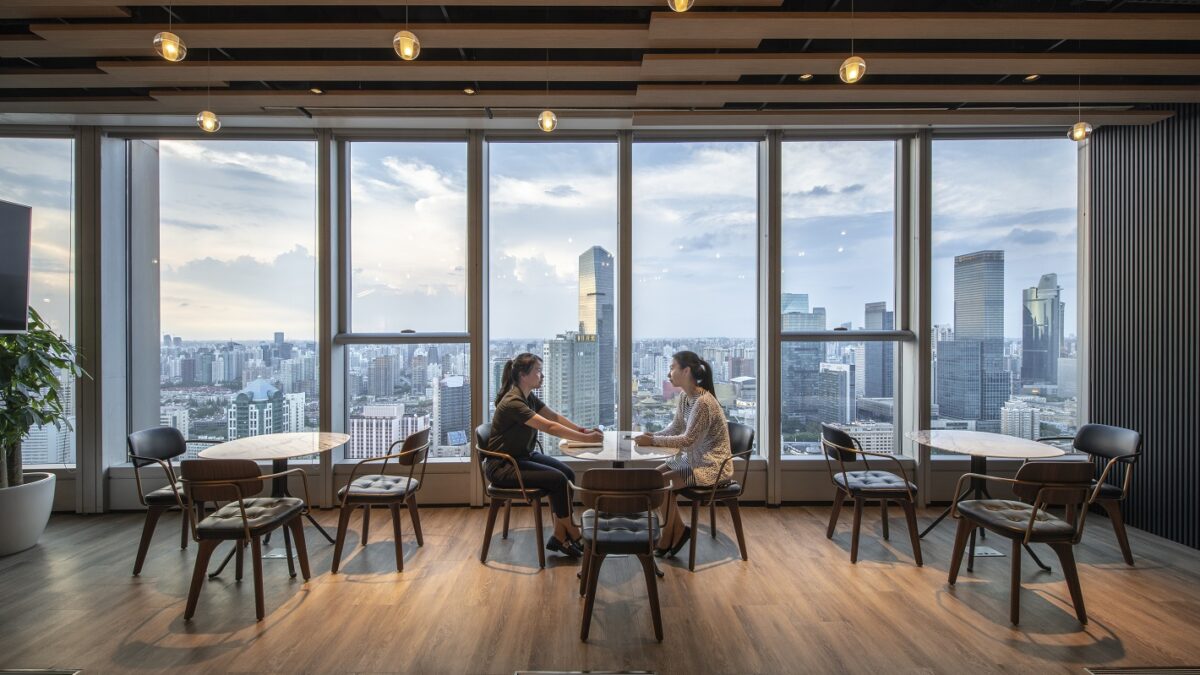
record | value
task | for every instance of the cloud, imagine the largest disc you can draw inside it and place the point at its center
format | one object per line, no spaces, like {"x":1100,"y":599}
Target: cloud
{"x":189,"y":225}
{"x":1025,"y":237}
{"x":562,"y":191}
{"x":245,"y":156}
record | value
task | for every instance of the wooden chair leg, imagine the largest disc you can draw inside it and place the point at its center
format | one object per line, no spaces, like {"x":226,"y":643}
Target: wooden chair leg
{"x":652,"y":590}
{"x":858,"y":507}
{"x":910,"y":515}
{"x":297,"y":526}
{"x":883,"y":509}
{"x":590,"y":595}
{"x":960,"y":543}
{"x":1014,"y":590}
{"x":491,"y":524}
{"x":541,"y":538}
{"x":396,"y":533}
{"x":735,"y":515}
{"x":198,"y":573}
{"x":256,"y":552}
{"x":712,"y":519}
{"x":695,"y":535}
{"x":415,"y":515}
{"x":1066,"y":556}
{"x":239,"y":559}
{"x":1113,"y":508}
{"x":183,"y":529}
{"x":838,"y":498}
{"x":584,"y":565}
{"x":287,"y":549}
{"x":366,"y":522}
{"x":152,"y":516}
{"x":343,"y":525}
{"x":507,"y":513}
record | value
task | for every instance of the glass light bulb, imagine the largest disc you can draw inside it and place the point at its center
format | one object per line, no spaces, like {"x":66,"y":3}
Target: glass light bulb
{"x":680,"y":5}
{"x":1079,"y":131}
{"x":208,"y":121}
{"x":853,"y":69}
{"x":407,"y":46}
{"x":170,"y":46}
{"x":547,"y":121}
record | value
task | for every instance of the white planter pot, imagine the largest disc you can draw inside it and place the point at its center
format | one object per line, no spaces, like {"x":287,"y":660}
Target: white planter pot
{"x":24,"y":512}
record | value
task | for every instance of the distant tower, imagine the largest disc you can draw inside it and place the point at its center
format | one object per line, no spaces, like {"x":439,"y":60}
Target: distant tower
{"x":596,"y":318}
{"x":1042,"y":312}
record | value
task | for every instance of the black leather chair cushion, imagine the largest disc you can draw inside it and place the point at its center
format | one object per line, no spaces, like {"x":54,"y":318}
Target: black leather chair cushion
{"x":1108,"y":491}
{"x":620,"y":533}
{"x":1011,"y":518}
{"x":513,"y":493}
{"x":379,"y":487}
{"x":872,"y":482}
{"x":732,"y":490}
{"x":164,"y":496}
{"x":262,"y":514}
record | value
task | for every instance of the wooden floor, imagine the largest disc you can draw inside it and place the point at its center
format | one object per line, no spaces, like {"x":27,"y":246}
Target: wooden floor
{"x":797,"y":606}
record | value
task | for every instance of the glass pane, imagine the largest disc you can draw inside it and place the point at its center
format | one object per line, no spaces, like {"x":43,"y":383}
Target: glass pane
{"x":238,"y":272}
{"x":408,"y":237}
{"x":1004,"y":286}
{"x":398,"y":390}
{"x":552,"y":210}
{"x":839,"y":232}
{"x":695,"y":264}
{"x":40,"y":173}
{"x":826,"y":382}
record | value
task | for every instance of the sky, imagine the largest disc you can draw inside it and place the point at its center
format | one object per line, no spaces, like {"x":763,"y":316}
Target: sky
{"x":238,"y":235}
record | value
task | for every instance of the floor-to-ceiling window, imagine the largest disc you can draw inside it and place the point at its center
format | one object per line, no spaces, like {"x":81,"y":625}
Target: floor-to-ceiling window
{"x":695,"y":262}
{"x":1004,"y":286}
{"x":838,"y":274}
{"x":552,"y":285}
{"x":39,"y":173}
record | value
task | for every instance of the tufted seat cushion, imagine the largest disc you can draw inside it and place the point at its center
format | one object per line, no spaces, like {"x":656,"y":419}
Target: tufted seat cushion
{"x":164,"y":496}
{"x":496,"y":492}
{"x":730,"y":490}
{"x":1108,"y":491}
{"x":619,"y":533}
{"x":874,"y":482}
{"x":379,"y":487}
{"x":262,"y":514}
{"x":1011,"y":518}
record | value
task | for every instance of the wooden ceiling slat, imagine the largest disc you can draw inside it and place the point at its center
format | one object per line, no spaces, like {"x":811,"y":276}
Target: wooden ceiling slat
{"x":719,"y":95}
{"x":416,"y":3}
{"x":99,"y":10}
{"x":34,"y":78}
{"x":394,"y":70}
{"x":242,"y":101}
{"x":891,"y":118}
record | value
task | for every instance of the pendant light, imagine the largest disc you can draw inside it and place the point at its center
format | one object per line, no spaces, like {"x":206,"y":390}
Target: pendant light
{"x":1080,"y":130}
{"x":206,"y":119}
{"x":854,"y":68}
{"x":169,"y":45}
{"x":680,"y":5}
{"x":547,"y":120}
{"x":406,"y":44}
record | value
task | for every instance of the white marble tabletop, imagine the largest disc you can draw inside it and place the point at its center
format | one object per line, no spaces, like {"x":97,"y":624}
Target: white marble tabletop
{"x":276,"y":446}
{"x":984,"y":444}
{"x":618,"y":446}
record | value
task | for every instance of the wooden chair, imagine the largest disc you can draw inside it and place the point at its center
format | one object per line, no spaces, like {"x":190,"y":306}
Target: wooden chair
{"x":620,"y":519}
{"x":1119,"y":449}
{"x":502,"y":496}
{"x":158,"y":445}
{"x":244,"y":519}
{"x":1039,"y":485}
{"x":741,"y":442}
{"x":380,"y":488}
{"x":867,"y":484}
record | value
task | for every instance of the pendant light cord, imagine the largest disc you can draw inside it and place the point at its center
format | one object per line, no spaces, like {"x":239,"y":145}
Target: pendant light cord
{"x":851,"y":27}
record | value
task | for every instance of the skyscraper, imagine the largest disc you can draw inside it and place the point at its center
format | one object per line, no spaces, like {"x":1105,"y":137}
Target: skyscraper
{"x":256,"y":410}
{"x":979,"y":295}
{"x":451,"y":411}
{"x":835,"y":385}
{"x":596,"y":302}
{"x":1042,"y":313}
{"x":1018,"y":418}
{"x":801,"y":360}
{"x":878,"y":378}
{"x":972,"y":381}
{"x":379,"y":376}
{"x":374,"y":430}
{"x":571,"y":371}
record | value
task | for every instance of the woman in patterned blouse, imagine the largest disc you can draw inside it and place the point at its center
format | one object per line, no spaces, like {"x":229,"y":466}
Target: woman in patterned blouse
{"x":699,"y":428}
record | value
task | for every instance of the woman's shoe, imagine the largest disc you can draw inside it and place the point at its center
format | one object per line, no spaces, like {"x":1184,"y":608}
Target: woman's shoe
{"x":687,"y":534}
{"x":566,"y":549}
{"x":660,"y":552}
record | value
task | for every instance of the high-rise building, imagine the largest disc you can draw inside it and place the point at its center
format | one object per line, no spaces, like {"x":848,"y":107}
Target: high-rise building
{"x":979,"y":296}
{"x":801,"y":360}
{"x":1018,"y":418}
{"x":451,"y":411}
{"x":419,"y":370}
{"x":379,"y":376}
{"x":873,"y":436}
{"x":256,"y":410}
{"x":374,"y":430}
{"x":176,"y":416}
{"x":879,"y":355}
{"x":596,"y":303}
{"x":497,"y":378}
{"x":971,"y":381}
{"x":571,"y":367}
{"x":745,"y":388}
{"x":293,"y":412}
{"x":1042,"y":315}
{"x":835,"y":387}
{"x":1068,"y":377}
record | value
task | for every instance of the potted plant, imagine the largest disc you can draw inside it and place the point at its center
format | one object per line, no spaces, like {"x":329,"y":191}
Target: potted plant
{"x":31,"y":394}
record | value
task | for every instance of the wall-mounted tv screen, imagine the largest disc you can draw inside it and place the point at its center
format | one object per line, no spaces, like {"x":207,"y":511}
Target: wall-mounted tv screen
{"x":16,"y":223}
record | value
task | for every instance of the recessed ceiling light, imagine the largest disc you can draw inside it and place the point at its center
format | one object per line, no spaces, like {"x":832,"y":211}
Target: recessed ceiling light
{"x":469,"y":91}
{"x":806,"y":77}
{"x":317,"y":90}
{"x":1032,"y":77}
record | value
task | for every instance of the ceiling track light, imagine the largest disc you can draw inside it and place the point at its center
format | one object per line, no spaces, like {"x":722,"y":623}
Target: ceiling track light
{"x":406,"y":44}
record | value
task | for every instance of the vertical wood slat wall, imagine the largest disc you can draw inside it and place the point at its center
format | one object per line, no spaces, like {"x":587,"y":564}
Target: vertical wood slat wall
{"x":1144,"y":317}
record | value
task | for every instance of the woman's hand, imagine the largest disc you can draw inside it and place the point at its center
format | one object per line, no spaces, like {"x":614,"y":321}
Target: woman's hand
{"x":594,"y":436}
{"x":644,"y":439}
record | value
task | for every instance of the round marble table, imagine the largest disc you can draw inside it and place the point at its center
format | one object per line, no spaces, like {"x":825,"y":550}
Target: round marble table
{"x":618,"y":447}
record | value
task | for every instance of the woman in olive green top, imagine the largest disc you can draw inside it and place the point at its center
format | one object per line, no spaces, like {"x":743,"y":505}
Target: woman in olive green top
{"x":519,"y":416}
